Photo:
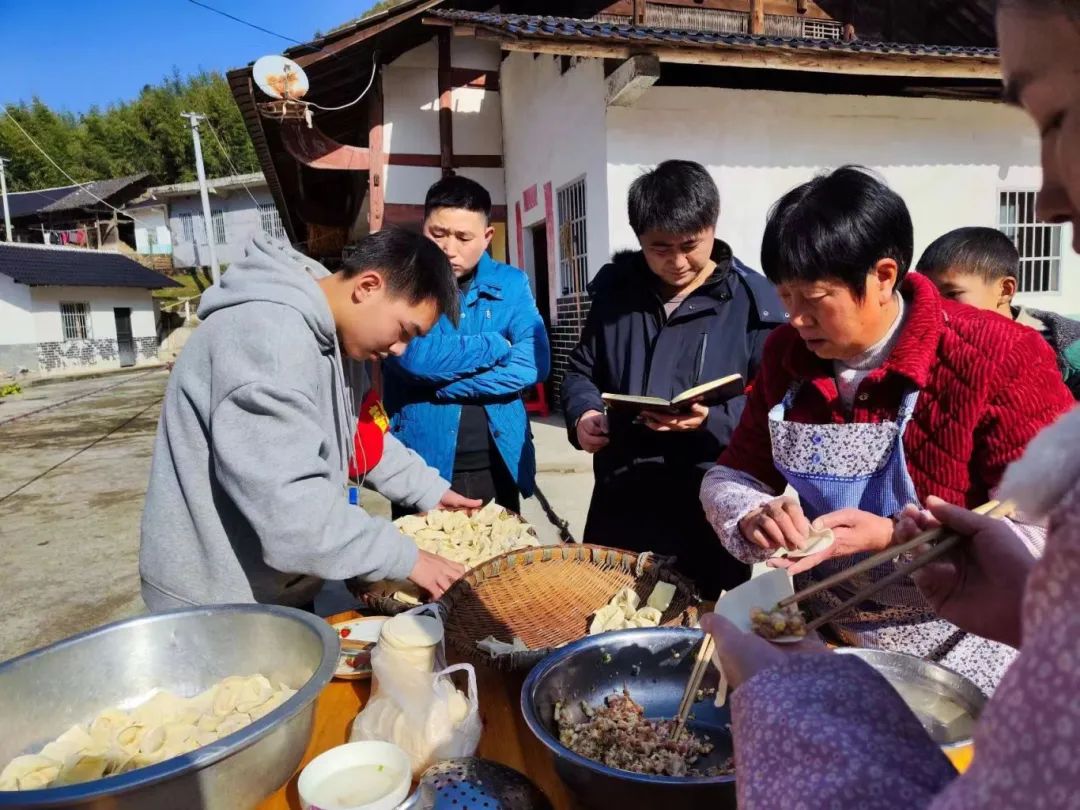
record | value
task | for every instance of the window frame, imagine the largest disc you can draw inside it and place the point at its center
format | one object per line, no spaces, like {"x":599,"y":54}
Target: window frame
{"x":270,"y":216}
{"x":187,"y":226}
{"x":573,"y":198}
{"x":72,"y":315}
{"x":1039,"y":243}
{"x":217,"y":217}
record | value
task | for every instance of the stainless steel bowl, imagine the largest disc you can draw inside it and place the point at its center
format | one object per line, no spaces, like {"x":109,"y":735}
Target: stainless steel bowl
{"x":45,"y":692}
{"x":922,"y":683}
{"x":654,"y":665}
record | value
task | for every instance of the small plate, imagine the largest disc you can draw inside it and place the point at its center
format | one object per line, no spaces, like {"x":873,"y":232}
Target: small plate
{"x":353,"y":665}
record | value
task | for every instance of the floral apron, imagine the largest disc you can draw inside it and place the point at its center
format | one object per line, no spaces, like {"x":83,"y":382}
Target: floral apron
{"x":862,"y":466}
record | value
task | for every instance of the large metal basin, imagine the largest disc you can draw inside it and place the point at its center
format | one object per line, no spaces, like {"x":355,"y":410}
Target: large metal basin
{"x":654,"y":664}
{"x":45,"y":692}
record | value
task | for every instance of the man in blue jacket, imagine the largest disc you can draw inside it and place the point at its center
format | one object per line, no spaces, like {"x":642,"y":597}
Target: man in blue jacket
{"x":680,"y":312}
{"x":454,"y":396}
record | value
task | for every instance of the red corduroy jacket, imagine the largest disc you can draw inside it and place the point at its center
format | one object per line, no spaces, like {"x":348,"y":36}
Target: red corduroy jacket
{"x":987,"y":387}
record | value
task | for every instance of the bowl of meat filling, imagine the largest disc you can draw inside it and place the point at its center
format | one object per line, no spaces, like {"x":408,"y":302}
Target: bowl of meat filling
{"x":605,"y":707}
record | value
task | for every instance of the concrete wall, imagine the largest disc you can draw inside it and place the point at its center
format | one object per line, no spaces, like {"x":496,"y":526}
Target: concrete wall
{"x":411,"y":113}
{"x":18,"y":340}
{"x":152,"y":220}
{"x":949,"y":159}
{"x":242,"y":221}
{"x":554,"y":133}
{"x":100,"y":349}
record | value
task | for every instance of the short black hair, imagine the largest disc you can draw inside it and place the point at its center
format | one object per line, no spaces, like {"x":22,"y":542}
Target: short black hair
{"x":412,"y":266}
{"x":983,"y":252}
{"x":678,"y":196}
{"x":838,"y":226}
{"x":458,"y":192}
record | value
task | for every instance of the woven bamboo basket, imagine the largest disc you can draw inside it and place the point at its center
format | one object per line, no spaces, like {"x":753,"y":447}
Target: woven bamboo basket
{"x":546,"y":596}
{"x":379,"y":596}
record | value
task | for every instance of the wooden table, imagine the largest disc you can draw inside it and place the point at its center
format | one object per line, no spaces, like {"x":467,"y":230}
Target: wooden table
{"x":506,"y":738}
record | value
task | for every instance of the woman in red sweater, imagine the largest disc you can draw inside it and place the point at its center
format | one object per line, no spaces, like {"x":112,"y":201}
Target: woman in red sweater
{"x":878,"y":394}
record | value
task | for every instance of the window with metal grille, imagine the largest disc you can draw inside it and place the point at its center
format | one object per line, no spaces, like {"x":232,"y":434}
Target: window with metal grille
{"x":788,"y":27}
{"x":76,"y":321}
{"x":271,"y":221}
{"x":219,"y":226}
{"x":573,"y":248}
{"x":187,"y":228}
{"x":1039,"y":243}
{"x":822,"y":29}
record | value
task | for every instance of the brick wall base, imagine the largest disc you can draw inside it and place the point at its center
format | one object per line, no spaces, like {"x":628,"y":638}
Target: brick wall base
{"x":146,"y":348}
{"x":570,"y":314}
{"x":54,"y":355}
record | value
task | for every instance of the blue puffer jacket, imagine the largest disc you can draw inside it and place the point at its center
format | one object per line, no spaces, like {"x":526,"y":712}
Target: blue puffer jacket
{"x":499,"y":350}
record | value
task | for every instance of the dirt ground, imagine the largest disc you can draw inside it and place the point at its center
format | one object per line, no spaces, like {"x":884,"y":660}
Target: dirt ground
{"x":74,"y":461}
{"x":72,"y":483}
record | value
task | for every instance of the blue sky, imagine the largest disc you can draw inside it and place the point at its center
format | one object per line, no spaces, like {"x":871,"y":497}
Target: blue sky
{"x":77,"y":53}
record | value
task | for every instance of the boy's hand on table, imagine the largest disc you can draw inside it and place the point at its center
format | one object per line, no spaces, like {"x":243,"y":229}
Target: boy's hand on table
{"x":676,"y":422}
{"x":452,"y":500}
{"x":592,"y":431}
{"x":435,"y":574}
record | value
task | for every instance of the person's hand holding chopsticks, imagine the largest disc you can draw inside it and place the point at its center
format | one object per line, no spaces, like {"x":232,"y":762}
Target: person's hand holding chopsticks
{"x":979,"y":586}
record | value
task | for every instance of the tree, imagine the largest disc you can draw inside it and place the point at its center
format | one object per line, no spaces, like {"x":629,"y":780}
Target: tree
{"x":385,"y":5}
{"x":146,"y":134}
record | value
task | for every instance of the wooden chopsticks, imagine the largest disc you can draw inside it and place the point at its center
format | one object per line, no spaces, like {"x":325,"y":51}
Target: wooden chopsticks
{"x":697,"y":675}
{"x":943,"y":540}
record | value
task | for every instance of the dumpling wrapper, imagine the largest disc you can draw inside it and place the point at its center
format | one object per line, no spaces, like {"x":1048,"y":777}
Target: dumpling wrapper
{"x":819,"y":540}
{"x":493,"y":647}
{"x":31,"y":768}
{"x":661,"y":597}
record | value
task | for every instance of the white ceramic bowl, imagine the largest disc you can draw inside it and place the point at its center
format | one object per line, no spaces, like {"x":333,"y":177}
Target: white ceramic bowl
{"x":351,"y":755}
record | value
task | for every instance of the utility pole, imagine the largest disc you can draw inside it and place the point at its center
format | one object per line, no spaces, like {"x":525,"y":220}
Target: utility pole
{"x":194,"y":119}
{"x":3,"y":193}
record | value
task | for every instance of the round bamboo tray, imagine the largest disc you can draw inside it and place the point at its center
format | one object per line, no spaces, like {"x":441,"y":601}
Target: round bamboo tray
{"x":546,"y":596}
{"x":379,"y":596}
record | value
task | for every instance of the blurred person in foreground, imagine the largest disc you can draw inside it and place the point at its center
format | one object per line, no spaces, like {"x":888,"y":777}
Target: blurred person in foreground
{"x":822,"y":730}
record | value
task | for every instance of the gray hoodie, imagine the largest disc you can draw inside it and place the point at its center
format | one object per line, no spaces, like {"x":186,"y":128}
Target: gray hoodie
{"x":248,"y":493}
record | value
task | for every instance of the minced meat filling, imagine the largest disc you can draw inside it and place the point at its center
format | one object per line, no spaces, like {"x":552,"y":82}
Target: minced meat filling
{"x":620,"y":736}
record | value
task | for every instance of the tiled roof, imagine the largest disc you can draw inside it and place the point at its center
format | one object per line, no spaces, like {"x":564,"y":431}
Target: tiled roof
{"x":25,"y":203}
{"x":83,"y":196}
{"x":46,"y":266}
{"x":567,"y":28}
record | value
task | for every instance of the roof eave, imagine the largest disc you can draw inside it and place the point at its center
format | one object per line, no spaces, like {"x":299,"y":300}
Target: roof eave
{"x":820,"y":60}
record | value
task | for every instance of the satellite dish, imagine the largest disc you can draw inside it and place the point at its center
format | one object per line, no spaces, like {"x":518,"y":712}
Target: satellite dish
{"x":280,"y":77}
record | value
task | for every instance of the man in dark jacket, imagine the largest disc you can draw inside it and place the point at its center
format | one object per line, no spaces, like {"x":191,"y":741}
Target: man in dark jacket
{"x":680,"y":312}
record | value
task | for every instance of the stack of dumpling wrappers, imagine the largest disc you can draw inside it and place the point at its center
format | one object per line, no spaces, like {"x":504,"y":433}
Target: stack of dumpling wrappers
{"x":164,"y":726}
{"x":469,"y":539}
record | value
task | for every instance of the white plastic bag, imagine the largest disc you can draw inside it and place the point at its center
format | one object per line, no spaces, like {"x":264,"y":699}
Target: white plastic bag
{"x":421,"y":712}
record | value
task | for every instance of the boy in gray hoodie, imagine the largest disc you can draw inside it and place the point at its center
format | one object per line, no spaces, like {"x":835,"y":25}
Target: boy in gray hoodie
{"x":248,"y":493}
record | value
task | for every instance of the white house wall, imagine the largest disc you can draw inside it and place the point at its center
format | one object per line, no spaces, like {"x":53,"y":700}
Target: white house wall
{"x":948,"y":159}
{"x":100,"y":350}
{"x":411,"y":120}
{"x":242,"y":222}
{"x":18,"y":339}
{"x":554,"y":133}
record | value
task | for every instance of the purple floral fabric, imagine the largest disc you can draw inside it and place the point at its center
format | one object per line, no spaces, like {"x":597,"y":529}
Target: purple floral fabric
{"x":827,"y":732}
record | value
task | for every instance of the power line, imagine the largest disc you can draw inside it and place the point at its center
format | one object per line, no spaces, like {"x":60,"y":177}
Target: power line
{"x":249,"y":24}
{"x":228,"y":159}
{"x":60,"y":169}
